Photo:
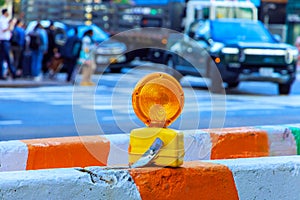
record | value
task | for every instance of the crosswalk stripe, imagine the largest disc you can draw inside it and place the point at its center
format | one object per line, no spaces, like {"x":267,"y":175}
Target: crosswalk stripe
{"x":10,"y":122}
{"x":201,"y":100}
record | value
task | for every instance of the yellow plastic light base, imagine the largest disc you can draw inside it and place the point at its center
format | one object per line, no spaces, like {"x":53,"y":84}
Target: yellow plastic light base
{"x":172,"y":152}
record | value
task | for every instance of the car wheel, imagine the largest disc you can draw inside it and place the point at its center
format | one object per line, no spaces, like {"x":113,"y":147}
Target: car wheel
{"x":284,"y":88}
{"x":216,"y":82}
{"x":171,"y":65}
{"x":233,"y":85}
{"x":115,"y":70}
{"x":129,"y":57}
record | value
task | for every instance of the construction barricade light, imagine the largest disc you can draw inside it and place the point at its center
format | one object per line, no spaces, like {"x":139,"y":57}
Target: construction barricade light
{"x":157,"y":100}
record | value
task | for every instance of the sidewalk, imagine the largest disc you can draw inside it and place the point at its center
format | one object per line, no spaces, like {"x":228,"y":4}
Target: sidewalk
{"x":58,"y":80}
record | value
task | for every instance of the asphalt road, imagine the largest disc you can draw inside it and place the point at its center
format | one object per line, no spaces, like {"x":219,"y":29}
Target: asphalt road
{"x":56,"y":111}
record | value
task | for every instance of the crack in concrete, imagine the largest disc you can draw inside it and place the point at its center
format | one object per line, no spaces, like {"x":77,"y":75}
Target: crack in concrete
{"x":95,"y":176}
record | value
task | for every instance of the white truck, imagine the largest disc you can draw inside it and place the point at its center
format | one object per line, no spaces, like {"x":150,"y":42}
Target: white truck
{"x":196,"y":10}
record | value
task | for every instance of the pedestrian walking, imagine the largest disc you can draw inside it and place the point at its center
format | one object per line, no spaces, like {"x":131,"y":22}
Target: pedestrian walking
{"x":52,"y":47}
{"x":70,"y":54}
{"x":38,"y":44}
{"x":6,"y":26}
{"x":18,"y":45}
{"x":87,"y":58}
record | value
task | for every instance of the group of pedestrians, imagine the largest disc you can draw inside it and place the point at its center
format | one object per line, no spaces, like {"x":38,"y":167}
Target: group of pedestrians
{"x":6,"y":26}
{"x":31,"y":54}
{"x":13,"y":45}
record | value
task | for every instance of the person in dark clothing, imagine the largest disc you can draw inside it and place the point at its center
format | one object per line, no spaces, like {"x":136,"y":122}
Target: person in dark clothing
{"x":70,"y":53}
{"x":18,"y":45}
{"x":52,"y":48}
{"x":38,"y":45}
{"x":6,"y":27}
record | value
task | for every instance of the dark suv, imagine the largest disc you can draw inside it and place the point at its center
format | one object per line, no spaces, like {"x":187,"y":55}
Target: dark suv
{"x":242,"y":50}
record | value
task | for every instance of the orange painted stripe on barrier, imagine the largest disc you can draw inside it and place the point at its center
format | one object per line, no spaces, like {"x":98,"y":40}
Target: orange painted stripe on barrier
{"x":194,"y":180}
{"x":67,"y":152}
{"x":241,"y":142}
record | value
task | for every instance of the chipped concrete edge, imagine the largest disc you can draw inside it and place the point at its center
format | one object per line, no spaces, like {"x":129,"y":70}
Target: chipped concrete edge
{"x":251,"y":178}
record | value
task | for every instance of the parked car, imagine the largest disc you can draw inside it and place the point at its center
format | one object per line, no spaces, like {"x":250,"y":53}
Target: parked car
{"x":242,"y":50}
{"x":109,"y":53}
{"x":60,"y":35}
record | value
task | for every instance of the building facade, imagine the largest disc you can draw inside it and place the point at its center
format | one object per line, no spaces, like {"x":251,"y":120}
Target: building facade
{"x":293,"y":20}
{"x":282,"y":17}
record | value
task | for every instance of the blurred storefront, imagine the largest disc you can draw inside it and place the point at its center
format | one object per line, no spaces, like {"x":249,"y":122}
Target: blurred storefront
{"x":282,"y":17}
{"x":6,"y":4}
{"x":55,"y":10}
{"x":293,"y":20}
{"x":273,"y":14}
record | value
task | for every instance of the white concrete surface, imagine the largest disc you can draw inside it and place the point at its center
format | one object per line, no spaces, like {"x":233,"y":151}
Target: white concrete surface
{"x":118,"y":153}
{"x":281,"y":140}
{"x":68,"y":184}
{"x":197,"y":145}
{"x":269,"y":178}
{"x":13,"y":155}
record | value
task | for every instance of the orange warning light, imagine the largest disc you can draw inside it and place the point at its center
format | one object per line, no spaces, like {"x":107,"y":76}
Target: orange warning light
{"x":217,"y":60}
{"x":158,"y":99}
{"x":164,"y":41}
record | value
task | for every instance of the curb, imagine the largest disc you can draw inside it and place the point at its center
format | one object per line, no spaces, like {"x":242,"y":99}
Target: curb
{"x":254,"y":178}
{"x":108,"y":150}
{"x":23,"y":83}
{"x":60,"y":81}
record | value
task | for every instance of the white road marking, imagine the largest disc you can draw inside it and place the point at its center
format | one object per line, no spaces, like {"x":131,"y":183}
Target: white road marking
{"x":199,"y":100}
{"x":10,"y":122}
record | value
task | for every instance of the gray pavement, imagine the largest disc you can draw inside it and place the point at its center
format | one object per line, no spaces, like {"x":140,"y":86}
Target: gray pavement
{"x":58,"y":80}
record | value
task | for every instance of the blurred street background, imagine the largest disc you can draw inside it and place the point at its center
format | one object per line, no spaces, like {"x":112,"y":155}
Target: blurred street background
{"x":53,"y":107}
{"x":48,"y":111}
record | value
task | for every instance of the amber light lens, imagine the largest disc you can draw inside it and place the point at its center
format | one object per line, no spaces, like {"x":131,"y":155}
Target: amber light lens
{"x":158,"y":99}
{"x":217,"y":60}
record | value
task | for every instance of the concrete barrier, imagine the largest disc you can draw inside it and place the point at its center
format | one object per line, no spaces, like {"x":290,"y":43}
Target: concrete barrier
{"x":230,"y":179}
{"x":206,"y":144}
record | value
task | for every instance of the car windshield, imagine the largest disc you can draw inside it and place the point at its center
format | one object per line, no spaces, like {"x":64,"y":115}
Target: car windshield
{"x":45,"y":24}
{"x":244,"y":31}
{"x":98,"y":36}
